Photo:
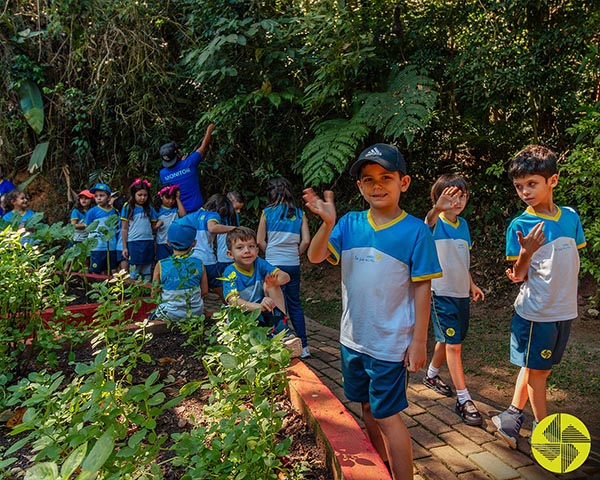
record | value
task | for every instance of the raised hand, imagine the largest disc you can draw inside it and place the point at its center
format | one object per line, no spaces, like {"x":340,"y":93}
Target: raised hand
{"x":324,"y":208}
{"x":449,"y":199}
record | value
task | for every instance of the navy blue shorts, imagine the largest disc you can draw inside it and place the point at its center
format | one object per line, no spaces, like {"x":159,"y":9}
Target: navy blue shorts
{"x":380,"y":383}
{"x":163,"y":250}
{"x":538,"y":345}
{"x":99,"y":263}
{"x":212,"y":273}
{"x":141,"y":252}
{"x":450,"y":318}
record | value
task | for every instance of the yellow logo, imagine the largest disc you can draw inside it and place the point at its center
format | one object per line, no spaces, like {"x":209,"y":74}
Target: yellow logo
{"x":546,"y":354}
{"x":450,"y":332}
{"x":378,"y":256}
{"x":561,"y":443}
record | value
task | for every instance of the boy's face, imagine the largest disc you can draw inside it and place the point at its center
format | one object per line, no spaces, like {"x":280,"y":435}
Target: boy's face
{"x":535,"y":190}
{"x":244,"y":252}
{"x":380,"y":187}
{"x":101,"y":198}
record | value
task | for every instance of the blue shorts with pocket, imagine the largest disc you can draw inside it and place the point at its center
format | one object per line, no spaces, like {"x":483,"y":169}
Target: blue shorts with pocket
{"x":99,"y":261}
{"x":538,"y":345}
{"x":380,"y":383}
{"x":450,"y":318}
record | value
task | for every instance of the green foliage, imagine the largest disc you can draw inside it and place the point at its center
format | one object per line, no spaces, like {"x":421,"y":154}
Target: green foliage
{"x":578,"y":185}
{"x":32,"y":105}
{"x":401,"y":111}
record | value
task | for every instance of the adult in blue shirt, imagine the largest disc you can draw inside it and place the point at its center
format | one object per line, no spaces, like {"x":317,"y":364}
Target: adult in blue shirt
{"x":184,"y":171}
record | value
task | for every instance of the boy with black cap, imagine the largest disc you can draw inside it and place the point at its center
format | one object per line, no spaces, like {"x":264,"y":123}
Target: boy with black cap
{"x":388,"y":259}
{"x":184,"y":170}
{"x":182,"y":277}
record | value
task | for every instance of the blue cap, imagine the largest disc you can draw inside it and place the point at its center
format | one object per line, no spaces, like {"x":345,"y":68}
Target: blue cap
{"x":101,"y":186}
{"x":181,"y":236}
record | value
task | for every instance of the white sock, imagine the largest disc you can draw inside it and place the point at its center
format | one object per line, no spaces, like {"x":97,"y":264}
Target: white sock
{"x":432,"y":371}
{"x":463,"y":395}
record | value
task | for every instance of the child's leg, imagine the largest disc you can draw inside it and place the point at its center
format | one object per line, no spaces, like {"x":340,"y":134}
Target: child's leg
{"x":398,"y":446}
{"x":531,"y":385}
{"x":291,"y":293}
{"x":277,"y":295}
{"x":455,"y":365}
{"x":439,"y":354}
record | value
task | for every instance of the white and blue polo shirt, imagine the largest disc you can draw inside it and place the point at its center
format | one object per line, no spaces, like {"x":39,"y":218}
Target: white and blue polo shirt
{"x":140,"y":225}
{"x":549,"y":293}
{"x":204,"y":248}
{"x":102,"y":215}
{"x":283,"y":235}
{"x":379,"y":265}
{"x":453,"y":244}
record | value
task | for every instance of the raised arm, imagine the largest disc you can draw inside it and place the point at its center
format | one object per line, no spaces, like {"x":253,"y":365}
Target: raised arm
{"x":206,"y":140}
{"x":318,"y":250}
{"x":446,"y":201}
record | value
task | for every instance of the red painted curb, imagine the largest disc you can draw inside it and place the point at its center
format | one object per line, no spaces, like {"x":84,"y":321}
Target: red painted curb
{"x":350,"y":453}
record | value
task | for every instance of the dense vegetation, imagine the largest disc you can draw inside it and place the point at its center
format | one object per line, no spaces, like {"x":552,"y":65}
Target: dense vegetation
{"x":299,"y":87}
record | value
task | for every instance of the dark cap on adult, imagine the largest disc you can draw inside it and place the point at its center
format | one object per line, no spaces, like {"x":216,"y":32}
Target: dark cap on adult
{"x":169,"y":154}
{"x":388,"y":156}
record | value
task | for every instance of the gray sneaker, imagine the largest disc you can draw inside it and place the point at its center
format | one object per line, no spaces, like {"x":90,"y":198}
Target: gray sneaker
{"x":305,"y":352}
{"x":509,"y":425}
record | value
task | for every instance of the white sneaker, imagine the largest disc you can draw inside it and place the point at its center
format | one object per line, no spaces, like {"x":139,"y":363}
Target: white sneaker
{"x":305,"y":352}
{"x":294,"y":345}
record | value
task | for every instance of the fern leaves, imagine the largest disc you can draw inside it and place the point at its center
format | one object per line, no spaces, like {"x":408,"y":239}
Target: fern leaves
{"x":400,"y":112}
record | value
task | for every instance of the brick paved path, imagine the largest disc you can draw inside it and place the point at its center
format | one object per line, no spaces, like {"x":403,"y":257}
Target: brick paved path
{"x":444,"y":447}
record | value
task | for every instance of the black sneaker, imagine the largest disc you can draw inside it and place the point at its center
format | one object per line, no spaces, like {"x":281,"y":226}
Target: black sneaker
{"x":436,"y":384}
{"x":469,"y":413}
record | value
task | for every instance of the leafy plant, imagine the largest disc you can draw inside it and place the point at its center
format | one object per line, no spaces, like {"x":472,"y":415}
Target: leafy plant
{"x":399,"y":112}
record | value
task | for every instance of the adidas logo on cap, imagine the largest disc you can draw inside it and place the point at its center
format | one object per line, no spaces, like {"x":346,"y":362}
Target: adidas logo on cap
{"x":374,"y":152}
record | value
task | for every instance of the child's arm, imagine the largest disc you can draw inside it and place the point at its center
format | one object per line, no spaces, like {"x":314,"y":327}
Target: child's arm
{"x":276,"y":279}
{"x":416,"y":354}
{"x":304,"y":236}
{"x":266,"y":303}
{"x":203,"y":284}
{"x":318,"y":250}
{"x":206,"y":140}
{"x":446,"y":201}
{"x":529,"y":245}
{"x":124,"y":237}
{"x":476,"y":292}
{"x":156,"y":280}
{"x":181,"y":211}
{"x":78,"y":226}
{"x":261,"y":232}
{"x":216,"y":227}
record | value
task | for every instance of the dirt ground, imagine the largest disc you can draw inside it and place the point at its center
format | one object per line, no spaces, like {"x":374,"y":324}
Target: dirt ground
{"x":573,"y":386}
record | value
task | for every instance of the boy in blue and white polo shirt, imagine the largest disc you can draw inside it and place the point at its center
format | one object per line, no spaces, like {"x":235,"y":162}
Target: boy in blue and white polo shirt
{"x":543,"y":242}
{"x":104,"y":253}
{"x":388,"y":259}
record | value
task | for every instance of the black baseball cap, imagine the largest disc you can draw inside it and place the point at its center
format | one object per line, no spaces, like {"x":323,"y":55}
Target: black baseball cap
{"x":388,"y":156}
{"x":169,"y":154}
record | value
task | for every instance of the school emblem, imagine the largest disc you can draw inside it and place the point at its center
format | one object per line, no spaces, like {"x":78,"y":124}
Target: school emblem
{"x":546,"y":354}
{"x":561,"y":443}
{"x":450,"y":332}
{"x":378,"y":256}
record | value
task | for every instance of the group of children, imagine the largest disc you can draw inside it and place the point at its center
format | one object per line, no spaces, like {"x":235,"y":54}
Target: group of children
{"x":193,"y":253}
{"x":398,"y":272}
{"x":411,"y":271}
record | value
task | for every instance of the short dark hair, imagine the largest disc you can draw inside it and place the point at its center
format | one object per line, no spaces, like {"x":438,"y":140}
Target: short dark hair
{"x":239,"y":233}
{"x":448,"y":180}
{"x":533,"y":160}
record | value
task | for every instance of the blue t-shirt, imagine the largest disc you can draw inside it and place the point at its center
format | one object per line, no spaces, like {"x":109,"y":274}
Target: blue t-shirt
{"x":283,"y":235}
{"x":549,"y":293}
{"x":379,"y":265}
{"x":6,"y":186}
{"x":140,"y":226}
{"x":185,"y":174}
{"x":102,"y":215}
{"x":26,"y":216}
{"x":453,"y":244}
{"x":248,"y":285}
